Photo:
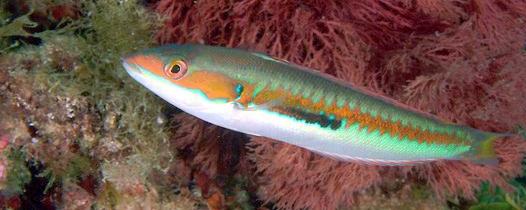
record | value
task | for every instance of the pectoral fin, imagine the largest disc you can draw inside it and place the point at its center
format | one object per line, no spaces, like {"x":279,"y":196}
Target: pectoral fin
{"x":255,"y":107}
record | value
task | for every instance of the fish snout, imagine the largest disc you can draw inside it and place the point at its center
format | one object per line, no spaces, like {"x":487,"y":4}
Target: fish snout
{"x":129,"y":64}
{"x":141,"y":63}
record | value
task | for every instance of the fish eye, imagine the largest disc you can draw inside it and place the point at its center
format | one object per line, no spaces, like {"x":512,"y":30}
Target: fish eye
{"x":176,"y":69}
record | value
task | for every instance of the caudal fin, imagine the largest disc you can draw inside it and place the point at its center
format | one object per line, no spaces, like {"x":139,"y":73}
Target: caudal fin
{"x":483,"y":148}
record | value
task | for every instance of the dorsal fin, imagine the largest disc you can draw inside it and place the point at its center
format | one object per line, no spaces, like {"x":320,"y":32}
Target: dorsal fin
{"x":270,"y":58}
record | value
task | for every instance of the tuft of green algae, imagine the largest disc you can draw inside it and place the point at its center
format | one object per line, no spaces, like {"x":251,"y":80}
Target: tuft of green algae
{"x":89,"y":117}
{"x":11,"y":28}
{"x":72,"y":171}
{"x":18,"y":175}
{"x":111,"y":29}
{"x":4,"y":14}
{"x":16,"y":27}
{"x":489,"y":198}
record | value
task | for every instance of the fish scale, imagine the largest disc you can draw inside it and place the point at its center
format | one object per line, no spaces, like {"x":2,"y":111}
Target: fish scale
{"x":259,"y":95}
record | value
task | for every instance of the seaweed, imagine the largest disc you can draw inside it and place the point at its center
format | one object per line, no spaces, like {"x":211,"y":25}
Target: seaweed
{"x":94,"y":72}
{"x":13,"y":28}
{"x":459,"y":60}
{"x":100,"y":140}
{"x":71,"y":108}
{"x":16,"y":27}
{"x":489,"y":198}
{"x":18,"y":174}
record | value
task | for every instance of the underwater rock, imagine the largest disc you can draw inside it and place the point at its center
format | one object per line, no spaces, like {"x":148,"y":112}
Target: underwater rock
{"x":75,"y":197}
{"x":67,"y":107}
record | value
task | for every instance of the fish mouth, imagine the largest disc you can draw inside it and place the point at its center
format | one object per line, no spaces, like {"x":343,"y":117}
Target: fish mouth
{"x":131,"y":68}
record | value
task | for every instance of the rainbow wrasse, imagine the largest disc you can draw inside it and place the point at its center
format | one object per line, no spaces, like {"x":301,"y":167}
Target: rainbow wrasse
{"x":259,"y":95}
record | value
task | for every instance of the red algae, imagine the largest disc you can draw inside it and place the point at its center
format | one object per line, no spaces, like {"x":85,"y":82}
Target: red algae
{"x":462,"y":60}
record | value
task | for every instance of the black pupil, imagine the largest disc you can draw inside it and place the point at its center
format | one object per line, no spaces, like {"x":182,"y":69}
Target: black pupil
{"x":175,"y":69}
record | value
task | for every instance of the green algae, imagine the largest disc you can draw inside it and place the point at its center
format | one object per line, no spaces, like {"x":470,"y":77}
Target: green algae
{"x":420,"y":192}
{"x":80,"y":61}
{"x":492,"y":206}
{"x":10,"y":28}
{"x":112,"y":29}
{"x":109,"y":196}
{"x":16,"y":27}
{"x":74,"y":169}
{"x":4,"y":14}
{"x":18,"y":175}
{"x":489,"y":198}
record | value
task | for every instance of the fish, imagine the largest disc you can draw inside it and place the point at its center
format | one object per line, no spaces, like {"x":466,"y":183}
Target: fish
{"x":256,"y":94}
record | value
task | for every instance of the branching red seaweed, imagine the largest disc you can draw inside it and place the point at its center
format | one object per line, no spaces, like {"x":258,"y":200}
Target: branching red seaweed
{"x":462,"y":60}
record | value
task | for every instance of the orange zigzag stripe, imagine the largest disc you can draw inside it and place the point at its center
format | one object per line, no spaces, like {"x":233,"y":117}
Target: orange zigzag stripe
{"x":396,"y":129}
{"x":220,"y":86}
